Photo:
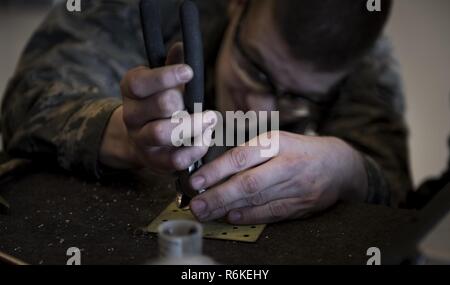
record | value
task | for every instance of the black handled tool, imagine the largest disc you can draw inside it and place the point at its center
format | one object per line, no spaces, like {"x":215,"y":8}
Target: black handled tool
{"x":193,"y":53}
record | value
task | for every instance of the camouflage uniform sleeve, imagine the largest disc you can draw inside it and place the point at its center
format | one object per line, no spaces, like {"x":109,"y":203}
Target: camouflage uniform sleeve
{"x":370,"y":116}
{"x":66,"y":85}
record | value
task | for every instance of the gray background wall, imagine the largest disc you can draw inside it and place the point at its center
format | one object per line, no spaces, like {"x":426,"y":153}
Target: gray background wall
{"x":420,"y":33}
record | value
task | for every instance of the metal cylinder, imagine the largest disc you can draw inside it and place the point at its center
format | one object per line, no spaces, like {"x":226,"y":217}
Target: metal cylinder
{"x":180,"y":238}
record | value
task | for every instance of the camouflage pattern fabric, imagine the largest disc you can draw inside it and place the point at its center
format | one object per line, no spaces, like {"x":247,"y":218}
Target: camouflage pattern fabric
{"x":66,"y":87}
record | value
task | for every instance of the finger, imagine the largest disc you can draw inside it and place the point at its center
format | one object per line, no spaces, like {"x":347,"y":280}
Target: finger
{"x":271,"y":212}
{"x":175,"y":54}
{"x":161,"y":106}
{"x":246,"y":187}
{"x":182,"y":158}
{"x":171,"y":159}
{"x":263,"y":197}
{"x":169,"y":133}
{"x":232,"y":162}
{"x":142,"y":82}
{"x":281,"y":191}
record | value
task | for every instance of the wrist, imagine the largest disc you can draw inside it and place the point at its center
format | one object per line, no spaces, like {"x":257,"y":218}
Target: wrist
{"x":354,"y":186}
{"x":115,"y":150}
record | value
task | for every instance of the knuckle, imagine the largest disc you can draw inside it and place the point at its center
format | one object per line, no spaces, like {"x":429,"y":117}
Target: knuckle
{"x":163,"y":79}
{"x":135,"y":84}
{"x":197,"y":153}
{"x":174,"y":75}
{"x":176,"y":100}
{"x":256,"y":200}
{"x":238,"y":158}
{"x":179,"y":162}
{"x":211,"y":172}
{"x":130,"y":117}
{"x":126,"y":81}
{"x":277,"y":210}
{"x":157,"y":133}
{"x":163,"y":104}
{"x":249,"y":184}
{"x":219,"y":203}
{"x":168,"y":103}
{"x":159,"y":79}
{"x":127,"y":116}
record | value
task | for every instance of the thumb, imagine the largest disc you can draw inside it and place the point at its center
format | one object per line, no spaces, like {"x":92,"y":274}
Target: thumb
{"x":175,"y":54}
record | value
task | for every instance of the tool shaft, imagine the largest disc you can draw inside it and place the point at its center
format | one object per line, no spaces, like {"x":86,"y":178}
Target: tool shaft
{"x":193,"y":54}
{"x":152,"y":32}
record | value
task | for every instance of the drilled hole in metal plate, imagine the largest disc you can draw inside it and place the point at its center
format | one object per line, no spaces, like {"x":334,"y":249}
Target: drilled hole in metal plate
{"x":235,"y":228}
{"x":246,"y":236}
{"x":224,"y":234}
{"x":253,"y":227}
{"x":164,"y":221}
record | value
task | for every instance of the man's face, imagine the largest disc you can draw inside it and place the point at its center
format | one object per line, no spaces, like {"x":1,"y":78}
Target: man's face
{"x":252,"y":39}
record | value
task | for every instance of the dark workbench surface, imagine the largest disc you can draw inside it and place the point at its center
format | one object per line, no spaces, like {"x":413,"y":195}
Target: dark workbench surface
{"x":52,"y":211}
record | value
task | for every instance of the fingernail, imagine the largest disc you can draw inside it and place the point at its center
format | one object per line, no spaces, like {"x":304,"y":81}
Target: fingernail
{"x":212,"y":123}
{"x":198,"y":207}
{"x":210,"y":117}
{"x":184,"y":73}
{"x":234,"y":216}
{"x":198,"y":182}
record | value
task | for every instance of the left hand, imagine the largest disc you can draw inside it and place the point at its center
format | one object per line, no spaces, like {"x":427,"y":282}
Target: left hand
{"x":307,"y":175}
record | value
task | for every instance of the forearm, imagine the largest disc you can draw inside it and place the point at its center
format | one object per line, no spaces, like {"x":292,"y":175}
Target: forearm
{"x":66,"y":87}
{"x":68,"y":134}
{"x":369,"y":116}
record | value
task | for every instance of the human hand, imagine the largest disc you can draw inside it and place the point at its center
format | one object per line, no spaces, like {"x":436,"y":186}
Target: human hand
{"x":139,"y":132}
{"x":307,"y":175}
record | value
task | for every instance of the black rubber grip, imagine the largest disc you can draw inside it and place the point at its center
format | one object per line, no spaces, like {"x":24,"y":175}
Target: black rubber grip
{"x":193,"y":53}
{"x":153,"y":37}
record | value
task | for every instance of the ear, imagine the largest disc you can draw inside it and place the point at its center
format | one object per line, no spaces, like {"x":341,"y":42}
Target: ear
{"x":235,"y":5}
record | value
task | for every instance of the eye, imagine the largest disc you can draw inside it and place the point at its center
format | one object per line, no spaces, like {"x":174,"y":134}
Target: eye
{"x":261,"y":77}
{"x":252,"y":71}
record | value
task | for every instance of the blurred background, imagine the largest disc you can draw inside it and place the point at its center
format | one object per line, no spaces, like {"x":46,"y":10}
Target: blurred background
{"x":419,"y":32}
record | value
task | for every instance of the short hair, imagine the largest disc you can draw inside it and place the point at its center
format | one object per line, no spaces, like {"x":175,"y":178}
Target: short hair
{"x":329,"y":34}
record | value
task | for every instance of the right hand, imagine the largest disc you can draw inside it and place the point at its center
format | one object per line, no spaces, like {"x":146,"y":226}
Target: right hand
{"x":139,"y":132}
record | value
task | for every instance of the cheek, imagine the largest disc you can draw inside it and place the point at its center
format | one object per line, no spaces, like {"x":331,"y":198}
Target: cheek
{"x":225,"y":77}
{"x":227,"y":85}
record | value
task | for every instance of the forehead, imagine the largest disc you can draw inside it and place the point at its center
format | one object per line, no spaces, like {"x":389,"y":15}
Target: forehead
{"x":260,"y":37}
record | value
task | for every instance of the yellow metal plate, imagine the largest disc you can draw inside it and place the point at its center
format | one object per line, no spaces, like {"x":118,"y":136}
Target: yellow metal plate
{"x":211,"y":230}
